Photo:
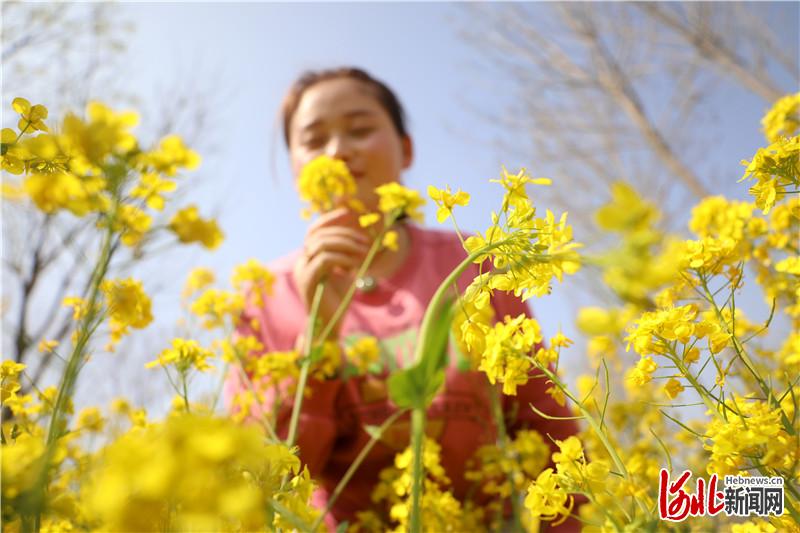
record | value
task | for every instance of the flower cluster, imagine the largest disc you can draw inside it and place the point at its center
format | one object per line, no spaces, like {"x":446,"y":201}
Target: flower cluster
{"x":391,"y":497}
{"x":194,"y":473}
{"x":324,"y":183}
{"x":128,"y":306}
{"x":776,"y":170}
{"x":503,"y":472}
{"x":95,"y":167}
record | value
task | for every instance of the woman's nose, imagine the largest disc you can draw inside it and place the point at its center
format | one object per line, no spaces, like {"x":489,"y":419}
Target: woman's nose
{"x":338,"y":148}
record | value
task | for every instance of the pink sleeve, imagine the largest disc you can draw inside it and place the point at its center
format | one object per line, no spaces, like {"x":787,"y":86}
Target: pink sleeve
{"x":517,"y":408}
{"x":316,"y":430}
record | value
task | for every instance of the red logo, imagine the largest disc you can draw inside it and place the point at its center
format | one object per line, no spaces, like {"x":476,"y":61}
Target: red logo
{"x":682,"y":504}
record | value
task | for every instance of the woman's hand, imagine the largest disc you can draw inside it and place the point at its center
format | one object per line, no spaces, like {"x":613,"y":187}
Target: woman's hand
{"x":333,"y":249}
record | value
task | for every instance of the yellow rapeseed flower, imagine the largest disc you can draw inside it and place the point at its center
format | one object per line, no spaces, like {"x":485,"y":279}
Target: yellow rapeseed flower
{"x":10,"y":369}
{"x":32,"y":116}
{"x":162,"y":476}
{"x":64,"y":190}
{"x":546,"y":499}
{"x":390,"y":240}
{"x":89,"y":142}
{"x":783,"y":120}
{"x":216,"y":307}
{"x":133,"y":224}
{"x":151,"y":188}
{"x":170,"y":156}
{"x":90,"y":419}
{"x":368,"y":220}
{"x":642,"y":373}
{"x":253,"y":273}
{"x":79,"y":306}
{"x":190,"y":227}
{"x":46,"y":345}
{"x":395,"y":200}
{"x":446,"y":200}
{"x":128,"y":306}
{"x":198,"y":279}
{"x":506,"y":357}
{"x":323,"y":183}
{"x":363,"y":353}
{"x":627,"y":211}
{"x":183,"y":356}
{"x":672,"y":388}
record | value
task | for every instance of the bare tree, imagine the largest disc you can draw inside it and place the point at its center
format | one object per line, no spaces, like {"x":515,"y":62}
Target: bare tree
{"x":602,"y":92}
{"x":585,"y":77}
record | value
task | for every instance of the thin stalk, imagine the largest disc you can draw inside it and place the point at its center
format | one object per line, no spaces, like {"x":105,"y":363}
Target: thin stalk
{"x":185,"y":393}
{"x":499,"y":419}
{"x":348,"y":296}
{"x":748,"y":363}
{"x":612,"y":451}
{"x":351,"y":470}
{"x":249,"y":384}
{"x":417,"y":472}
{"x":70,"y":373}
{"x":66,"y":388}
{"x":304,"y":368}
{"x":220,"y":387}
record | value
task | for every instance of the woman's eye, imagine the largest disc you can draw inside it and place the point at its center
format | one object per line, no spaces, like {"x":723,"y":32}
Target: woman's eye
{"x":313,"y":142}
{"x":361,"y":132}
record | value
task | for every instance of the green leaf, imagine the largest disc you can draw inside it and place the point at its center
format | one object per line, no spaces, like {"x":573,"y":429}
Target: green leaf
{"x":403,"y":390}
{"x":434,"y":356}
{"x":416,"y":386}
{"x":342,"y":527}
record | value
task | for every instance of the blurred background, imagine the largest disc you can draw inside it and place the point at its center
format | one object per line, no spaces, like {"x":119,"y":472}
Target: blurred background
{"x":665,"y":96}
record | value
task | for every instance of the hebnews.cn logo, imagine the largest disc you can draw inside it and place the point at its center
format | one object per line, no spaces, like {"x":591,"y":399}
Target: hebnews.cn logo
{"x":742,"y":496}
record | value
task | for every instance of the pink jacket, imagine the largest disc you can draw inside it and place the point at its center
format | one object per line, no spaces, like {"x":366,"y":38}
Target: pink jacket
{"x":331,"y":430}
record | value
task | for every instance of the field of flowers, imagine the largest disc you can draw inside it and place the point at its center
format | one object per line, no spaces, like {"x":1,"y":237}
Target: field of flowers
{"x":713,"y":391}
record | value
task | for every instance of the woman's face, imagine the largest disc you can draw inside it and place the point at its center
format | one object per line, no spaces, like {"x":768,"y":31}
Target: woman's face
{"x":341,"y":118}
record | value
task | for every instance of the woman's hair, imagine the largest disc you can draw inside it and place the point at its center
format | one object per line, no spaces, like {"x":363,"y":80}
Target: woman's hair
{"x":385,"y":96}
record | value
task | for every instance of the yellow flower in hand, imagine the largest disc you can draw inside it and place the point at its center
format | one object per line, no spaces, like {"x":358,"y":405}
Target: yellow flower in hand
{"x":323,"y":182}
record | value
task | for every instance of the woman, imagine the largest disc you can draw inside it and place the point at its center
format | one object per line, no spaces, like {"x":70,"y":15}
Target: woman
{"x":348,"y":115}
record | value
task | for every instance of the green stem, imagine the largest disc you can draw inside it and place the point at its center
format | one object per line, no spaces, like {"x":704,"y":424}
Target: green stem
{"x":220,"y":386}
{"x":351,"y":470}
{"x":701,"y":390}
{"x":305,"y":366}
{"x":351,"y":290}
{"x":612,"y":451}
{"x":499,"y":419}
{"x":432,"y":312}
{"x":69,"y":378}
{"x":185,"y":393}
{"x":748,"y":363}
{"x":417,"y":472}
